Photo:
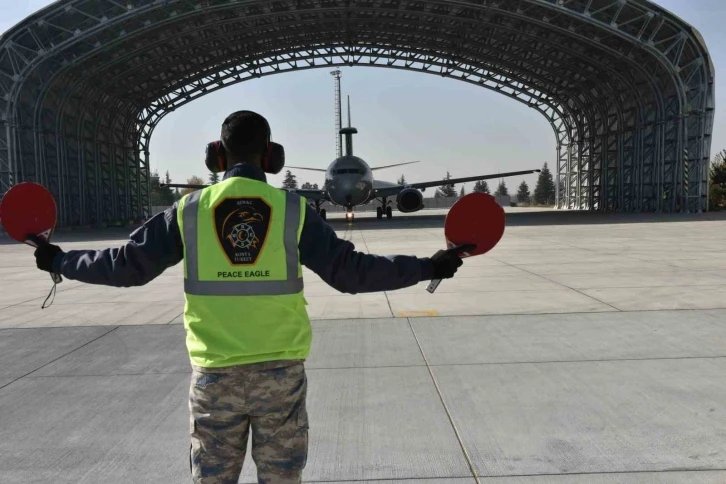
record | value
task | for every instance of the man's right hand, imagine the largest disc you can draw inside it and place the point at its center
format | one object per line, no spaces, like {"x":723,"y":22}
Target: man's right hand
{"x":44,"y":253}
{"x":447,"y":262}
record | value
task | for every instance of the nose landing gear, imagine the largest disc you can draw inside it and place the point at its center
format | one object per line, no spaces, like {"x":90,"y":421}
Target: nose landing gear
{"x":384,"y":208}
{"x":320,"y":211}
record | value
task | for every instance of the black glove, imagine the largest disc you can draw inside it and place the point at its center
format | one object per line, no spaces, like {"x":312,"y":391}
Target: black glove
{"x":45,"y":253}
{"x":446,"y":262}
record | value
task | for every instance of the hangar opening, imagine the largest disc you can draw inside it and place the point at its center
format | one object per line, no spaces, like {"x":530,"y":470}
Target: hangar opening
{"x":627,"y":87}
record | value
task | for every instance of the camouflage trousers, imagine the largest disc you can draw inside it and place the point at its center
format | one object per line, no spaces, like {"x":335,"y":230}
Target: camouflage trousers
{"x":225,"y":403}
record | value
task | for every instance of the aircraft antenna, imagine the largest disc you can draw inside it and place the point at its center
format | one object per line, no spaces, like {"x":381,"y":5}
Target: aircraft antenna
{"x":349,"y":125}
{"x":338,"y":137}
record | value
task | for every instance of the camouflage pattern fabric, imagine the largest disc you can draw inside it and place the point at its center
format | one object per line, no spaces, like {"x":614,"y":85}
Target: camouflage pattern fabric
{"x":225,"y":403}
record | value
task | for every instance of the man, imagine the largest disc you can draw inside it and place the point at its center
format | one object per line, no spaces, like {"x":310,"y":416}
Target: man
{"x":243,"y":243}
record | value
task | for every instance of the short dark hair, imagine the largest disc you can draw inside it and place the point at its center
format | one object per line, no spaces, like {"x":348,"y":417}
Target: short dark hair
{"x":245,"y":134}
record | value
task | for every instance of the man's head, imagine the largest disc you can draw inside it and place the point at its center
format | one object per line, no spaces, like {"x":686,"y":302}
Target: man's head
{"x":245,"y":136}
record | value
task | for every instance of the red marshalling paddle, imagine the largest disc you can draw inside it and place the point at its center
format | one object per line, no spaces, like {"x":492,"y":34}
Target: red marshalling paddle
{"x":29,"y":209}
{"x":473,"y":226}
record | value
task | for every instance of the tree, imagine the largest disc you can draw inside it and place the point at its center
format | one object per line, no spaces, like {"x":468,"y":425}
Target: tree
{"x":523,"y":193}
{"x":544,"y":191}
{"x":155,"y":190}
{"x":447,"y":190}
{"x":462,"y":192}
{"x":214,"y":178}
{"x":402,"y":180}
{"x":195,"y":180}
{"x":482,"y":186}
{"x":501,"y":190}
{"x":290,"y":180}
{"x":717,"y":189}
{"x":161,"y":196}
{"x":315,"y":186}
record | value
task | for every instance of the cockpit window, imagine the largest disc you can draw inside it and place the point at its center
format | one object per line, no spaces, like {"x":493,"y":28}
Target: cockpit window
{"x":343,"y":171}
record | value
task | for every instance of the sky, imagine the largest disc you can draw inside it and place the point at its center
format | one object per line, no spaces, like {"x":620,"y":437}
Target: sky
{"x":446,"y":125}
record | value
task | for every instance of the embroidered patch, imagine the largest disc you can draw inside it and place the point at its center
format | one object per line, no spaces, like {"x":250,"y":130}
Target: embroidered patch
{"x":242,"y":224}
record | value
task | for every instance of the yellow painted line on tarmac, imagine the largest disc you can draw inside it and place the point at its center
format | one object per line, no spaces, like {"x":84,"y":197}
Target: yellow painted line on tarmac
{"x":416,"y":314}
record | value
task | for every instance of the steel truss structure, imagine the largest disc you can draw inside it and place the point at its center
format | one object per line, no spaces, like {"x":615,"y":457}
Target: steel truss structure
{"x":627,"y":87}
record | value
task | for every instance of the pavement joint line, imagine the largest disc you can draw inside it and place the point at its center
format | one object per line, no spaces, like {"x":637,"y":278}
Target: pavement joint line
{"x":563,"y":285}
{"x":28,"y":301}
{"x":545,"y":362}
{"x":94,"y":303}
{"x":533,"y":362}
{"x":352,"y":320}
{"x":713,"y":316}
{"x":606,"y":473}
{"x":140,"y":325}
{"x":446,"y":407}
{"x":395,"y":479}
{"x":383,"y":367}
{"x":172,"y":319}
{"x":661,"y":263}
{"x":56,"y":359}
{"x":150,"y":373}
{"x":385,"y":293}
{"x":348,"y":235}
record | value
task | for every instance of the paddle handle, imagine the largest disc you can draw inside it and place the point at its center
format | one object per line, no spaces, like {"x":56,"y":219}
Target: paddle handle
{"x":459,"y":249}
{"x":57,"y":278}
{"x":433,"y":285}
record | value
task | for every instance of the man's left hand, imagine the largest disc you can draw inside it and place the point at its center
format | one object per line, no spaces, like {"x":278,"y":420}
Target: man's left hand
{"x":45,"y":253}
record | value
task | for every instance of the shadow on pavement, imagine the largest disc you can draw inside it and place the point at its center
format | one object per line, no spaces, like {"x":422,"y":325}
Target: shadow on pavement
{"x":525,"y":219}
{"x":431,"y":221}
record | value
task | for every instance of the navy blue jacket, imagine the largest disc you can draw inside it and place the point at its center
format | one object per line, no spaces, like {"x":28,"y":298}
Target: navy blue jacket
{"x":157,"y":245}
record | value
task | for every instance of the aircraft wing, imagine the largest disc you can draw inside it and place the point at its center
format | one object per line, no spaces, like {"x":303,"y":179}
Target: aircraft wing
{"x":306,"y":168}
{"x":391,"y":166}
{"x":394,"y":190}
{"x":311,"y":194}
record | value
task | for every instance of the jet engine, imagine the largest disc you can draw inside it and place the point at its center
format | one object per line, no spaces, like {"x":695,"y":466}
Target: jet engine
{"x":409,"y":200}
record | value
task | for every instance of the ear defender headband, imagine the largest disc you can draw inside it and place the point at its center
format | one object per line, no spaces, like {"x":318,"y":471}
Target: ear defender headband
{"x":273,"y":158}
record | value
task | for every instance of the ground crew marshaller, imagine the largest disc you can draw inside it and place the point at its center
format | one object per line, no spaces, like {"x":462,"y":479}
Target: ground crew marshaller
{"x":243,"y":243}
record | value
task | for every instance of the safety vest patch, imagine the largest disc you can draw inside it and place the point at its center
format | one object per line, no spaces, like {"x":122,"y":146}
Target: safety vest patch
{"x":242,"y":224}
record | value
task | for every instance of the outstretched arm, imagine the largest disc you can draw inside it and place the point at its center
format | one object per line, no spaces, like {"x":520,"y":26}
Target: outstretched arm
{"x":152,"y":248}
{"x":338,"y":263}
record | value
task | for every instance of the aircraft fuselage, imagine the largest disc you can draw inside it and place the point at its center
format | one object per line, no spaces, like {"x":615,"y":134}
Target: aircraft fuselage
{"x":349,"y":181}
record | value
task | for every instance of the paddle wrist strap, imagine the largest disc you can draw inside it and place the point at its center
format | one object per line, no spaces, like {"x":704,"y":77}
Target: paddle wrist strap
{"x":51,"y":293}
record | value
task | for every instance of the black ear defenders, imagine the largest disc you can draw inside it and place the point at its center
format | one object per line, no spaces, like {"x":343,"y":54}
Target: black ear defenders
{"x":273,"y":159}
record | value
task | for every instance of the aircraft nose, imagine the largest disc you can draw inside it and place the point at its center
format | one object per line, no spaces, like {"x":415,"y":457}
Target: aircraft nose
{"x":347,"y":191}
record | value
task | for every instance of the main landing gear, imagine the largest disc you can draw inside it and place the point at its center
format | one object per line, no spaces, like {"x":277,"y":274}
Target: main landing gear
{"x":384,"y":208}
{"x":321,"y":212}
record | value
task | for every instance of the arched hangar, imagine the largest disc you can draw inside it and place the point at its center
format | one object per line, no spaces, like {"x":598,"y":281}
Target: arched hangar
{"x":627,"y":87}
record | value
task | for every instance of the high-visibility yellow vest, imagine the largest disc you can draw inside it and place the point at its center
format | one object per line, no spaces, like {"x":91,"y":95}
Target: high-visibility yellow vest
{"x":242,"y":275}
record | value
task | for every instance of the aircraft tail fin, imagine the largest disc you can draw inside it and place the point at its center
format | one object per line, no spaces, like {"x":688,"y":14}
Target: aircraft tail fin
{"x":391,"y":166}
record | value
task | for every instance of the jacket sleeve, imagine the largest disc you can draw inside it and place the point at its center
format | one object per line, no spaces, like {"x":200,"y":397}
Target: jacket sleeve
{"x":152,"y":248}
{"x":338,"y":263}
